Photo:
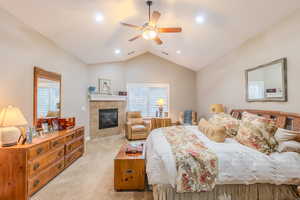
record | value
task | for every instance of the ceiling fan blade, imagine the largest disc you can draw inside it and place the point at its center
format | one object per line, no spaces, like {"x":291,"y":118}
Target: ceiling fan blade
{"x":155,"y":17}
{"x":136,"y":37}
{"x":170,"y":30}
{"x":132,"y":26}
{"x":158,"y":41}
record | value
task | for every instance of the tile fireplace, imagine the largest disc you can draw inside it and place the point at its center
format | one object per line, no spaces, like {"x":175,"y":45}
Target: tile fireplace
{"x":107,"y":118}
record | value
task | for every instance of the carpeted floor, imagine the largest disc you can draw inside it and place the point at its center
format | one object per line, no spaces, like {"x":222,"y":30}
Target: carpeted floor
{"x":91,"y":177}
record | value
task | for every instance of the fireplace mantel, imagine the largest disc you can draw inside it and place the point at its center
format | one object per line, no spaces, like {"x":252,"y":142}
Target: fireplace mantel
{"x":99,"y":97}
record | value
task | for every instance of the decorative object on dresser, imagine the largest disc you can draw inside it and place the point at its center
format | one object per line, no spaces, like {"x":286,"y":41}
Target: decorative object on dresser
{"x":47,"y":95}
{"x":27,"y":168}
{"x":11,"y":119}
{"x":267,"y":82}
{"x":217,"y":108}
{"x":188,"y":117}
{"x":136,"y":128}
{"x":160,"y":122}
{"x":130,"y":169}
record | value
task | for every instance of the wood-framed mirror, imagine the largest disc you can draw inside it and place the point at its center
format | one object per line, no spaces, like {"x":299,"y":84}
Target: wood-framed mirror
{"x":47,"y":95}
{"x":268,"y":82}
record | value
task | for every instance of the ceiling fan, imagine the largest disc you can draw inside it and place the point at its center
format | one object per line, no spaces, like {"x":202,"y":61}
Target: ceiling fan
{"x":149,"y":30}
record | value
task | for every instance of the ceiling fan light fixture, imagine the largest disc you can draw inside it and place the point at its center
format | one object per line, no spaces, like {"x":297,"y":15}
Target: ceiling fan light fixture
{"x":149,"y":34}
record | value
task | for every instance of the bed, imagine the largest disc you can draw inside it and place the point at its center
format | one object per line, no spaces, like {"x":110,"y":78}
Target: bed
{"x":244,"y":173}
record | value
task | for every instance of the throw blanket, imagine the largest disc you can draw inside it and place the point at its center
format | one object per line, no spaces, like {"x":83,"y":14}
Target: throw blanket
{"x":197,"y":167}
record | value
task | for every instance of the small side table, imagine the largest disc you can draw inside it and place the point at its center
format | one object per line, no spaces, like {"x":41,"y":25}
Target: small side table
{"x":130,"y":170}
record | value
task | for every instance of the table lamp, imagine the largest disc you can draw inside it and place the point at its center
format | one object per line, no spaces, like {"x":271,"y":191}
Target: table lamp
{"x":160,"y":103}
{"x":11,"y":119}
{"x":217,"y":108}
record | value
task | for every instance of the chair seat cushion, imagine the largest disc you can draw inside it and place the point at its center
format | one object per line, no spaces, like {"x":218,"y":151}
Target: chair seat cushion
{"x":138,"y":128}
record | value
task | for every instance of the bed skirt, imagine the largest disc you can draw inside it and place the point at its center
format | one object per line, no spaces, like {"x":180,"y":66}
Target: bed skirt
{"x":231,"y":192}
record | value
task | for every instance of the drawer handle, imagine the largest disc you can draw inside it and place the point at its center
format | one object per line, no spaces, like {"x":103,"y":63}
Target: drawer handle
{"x":36,"y":166}
{"x":55,"y":143}
{"x":36,"y":183}
{"x":129,"y":171}
{"x":39,"y":150}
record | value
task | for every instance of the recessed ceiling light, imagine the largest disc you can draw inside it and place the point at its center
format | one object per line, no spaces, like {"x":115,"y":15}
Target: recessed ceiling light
{"x":200,"y":19}
{"x":178,"y":52}
{"x":99,"y":17}
{"x":117,"y":51}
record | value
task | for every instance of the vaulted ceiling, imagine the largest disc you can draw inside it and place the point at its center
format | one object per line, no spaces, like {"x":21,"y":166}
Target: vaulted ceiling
{"x":72,"y":25}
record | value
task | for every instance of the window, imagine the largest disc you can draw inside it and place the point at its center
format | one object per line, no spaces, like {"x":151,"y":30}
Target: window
{"x":144,"y":97}
{"x":256,"y":89}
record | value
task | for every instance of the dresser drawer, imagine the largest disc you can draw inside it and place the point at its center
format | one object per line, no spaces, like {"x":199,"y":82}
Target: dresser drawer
{"x":74,"y":144}
{"x":57,"y":143}
{"x":79,"y":133}
{"x":74,"y":156}
{"x":37,"y":182}
{"x":56,"y":169}
{"x":35,"y":166}
{"x":70,"y":137}
{"x":38,"y":150}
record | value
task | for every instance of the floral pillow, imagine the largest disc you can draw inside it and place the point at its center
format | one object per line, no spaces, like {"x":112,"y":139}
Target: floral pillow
{"x":230,"y":123}
{"x":266,"y":126}
{"x":257,"y":132}
{"x":250,"y":135}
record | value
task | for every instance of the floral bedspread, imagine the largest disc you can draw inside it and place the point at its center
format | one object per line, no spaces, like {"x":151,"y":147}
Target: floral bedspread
{"x":197,"y":166}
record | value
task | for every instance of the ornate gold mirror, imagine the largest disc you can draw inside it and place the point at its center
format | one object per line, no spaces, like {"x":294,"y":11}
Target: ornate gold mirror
{"x":47,"y":95}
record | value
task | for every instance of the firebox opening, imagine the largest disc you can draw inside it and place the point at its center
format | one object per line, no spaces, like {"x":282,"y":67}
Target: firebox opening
{"x":108,"y":118}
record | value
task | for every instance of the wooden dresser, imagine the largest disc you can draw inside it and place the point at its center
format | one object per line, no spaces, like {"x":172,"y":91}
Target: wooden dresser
{"x":24,"y":169}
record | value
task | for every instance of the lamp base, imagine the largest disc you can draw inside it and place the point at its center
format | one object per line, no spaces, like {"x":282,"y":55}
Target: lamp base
{"x":9,"y":136}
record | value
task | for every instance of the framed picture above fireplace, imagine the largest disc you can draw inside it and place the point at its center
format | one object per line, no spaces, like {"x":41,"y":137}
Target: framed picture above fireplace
{"x":104,"y":86}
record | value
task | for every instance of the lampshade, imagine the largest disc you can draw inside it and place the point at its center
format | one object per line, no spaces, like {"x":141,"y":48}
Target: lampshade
{"x":12,"y":116}
{"x":160,"y":102}
{"x":217,"y":108}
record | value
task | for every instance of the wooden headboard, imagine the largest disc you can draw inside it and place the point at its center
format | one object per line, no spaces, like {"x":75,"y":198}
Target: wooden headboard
{"x":290,"y":121}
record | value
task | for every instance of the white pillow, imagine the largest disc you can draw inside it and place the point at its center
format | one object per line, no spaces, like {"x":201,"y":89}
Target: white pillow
{"x":283,"y":135}
{"x":289,"y":146}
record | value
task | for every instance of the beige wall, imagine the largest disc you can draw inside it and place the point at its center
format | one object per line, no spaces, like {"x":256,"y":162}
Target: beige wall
{"x":149,"y":68}
{"x":224,"y":81}
{"x":21,"y":49}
